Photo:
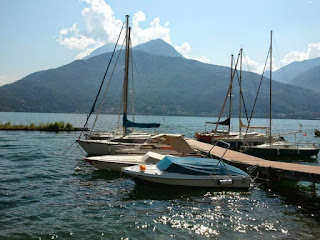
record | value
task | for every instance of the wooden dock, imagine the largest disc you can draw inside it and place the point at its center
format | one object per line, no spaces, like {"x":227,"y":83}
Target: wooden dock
{"x":271,"y":170}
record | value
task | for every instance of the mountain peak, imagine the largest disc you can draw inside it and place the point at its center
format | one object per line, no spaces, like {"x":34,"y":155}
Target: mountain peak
{"x":156,"y":47}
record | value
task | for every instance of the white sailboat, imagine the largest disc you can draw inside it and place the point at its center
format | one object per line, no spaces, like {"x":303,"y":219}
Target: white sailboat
{"x":279,"y":148}
{"x":235,"y":138}
{"x":111,"y":143}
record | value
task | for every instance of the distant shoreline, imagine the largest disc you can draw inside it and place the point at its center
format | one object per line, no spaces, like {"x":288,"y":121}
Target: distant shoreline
{"x":45,"y":130}
{"x":274,"y":116}
{"x":48,"y":127}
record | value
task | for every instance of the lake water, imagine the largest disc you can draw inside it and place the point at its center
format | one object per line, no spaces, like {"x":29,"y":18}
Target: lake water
{"x":42,"y":196}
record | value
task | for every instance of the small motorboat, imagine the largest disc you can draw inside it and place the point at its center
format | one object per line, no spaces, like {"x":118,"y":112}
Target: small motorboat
{"x":116,"y":162}
{"x":317,"y":132}
{"x":190,"y":172}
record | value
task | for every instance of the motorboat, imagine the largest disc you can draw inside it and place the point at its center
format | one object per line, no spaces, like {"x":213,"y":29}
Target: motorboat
{"x":116,"y":162}
{"x":190,"y":172}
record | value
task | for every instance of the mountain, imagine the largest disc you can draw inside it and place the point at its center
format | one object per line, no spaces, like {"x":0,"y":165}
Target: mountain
{"x":155,"y":47}
{"x":163,"y":86}
{"x":309,"y":79}
{"x":158,"y":47}
{"x":288,"y":73}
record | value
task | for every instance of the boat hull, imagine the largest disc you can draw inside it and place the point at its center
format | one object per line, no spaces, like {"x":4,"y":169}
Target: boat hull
{"x":112,"y":166}
{"x":203,"y":137}
{"x":116,"y":162}
{"x":282,"y":153}
{"x":100,"y":147}
{"x":208,"y":181}
{"x":236,"y":144}
{"x":235,"y":141}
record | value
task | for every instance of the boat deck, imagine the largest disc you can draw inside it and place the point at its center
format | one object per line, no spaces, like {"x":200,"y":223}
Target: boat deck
{"x":272,"y":170}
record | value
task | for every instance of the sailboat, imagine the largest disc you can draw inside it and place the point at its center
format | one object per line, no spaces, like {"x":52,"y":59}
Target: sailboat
{"x":278,"y":147}
{"x":235,"y":139}
{"x":111,"y":143}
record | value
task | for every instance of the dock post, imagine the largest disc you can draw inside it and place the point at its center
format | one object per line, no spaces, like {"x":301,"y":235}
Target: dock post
{"x":314,"y":189}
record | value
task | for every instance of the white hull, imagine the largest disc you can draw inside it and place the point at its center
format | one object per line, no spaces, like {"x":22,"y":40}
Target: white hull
{"x":103,"y":147}
{"x":154,"y":175}
{"x":116,"y":162}
{"x":113,"y":165}
{"x":162,"y":143}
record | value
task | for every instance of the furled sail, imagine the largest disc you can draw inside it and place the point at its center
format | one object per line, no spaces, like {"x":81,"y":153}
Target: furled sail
{"x":225,"y":122}
{"x":127,"y":124}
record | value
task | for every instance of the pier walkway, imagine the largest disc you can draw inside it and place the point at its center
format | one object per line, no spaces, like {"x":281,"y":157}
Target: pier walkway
{"x":272,"y":170}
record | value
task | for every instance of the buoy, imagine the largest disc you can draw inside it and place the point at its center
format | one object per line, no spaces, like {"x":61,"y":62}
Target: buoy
{"x":142,"y":168}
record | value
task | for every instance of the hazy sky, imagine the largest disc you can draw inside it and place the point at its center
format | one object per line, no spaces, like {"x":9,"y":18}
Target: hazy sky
{"x":41,"y":34}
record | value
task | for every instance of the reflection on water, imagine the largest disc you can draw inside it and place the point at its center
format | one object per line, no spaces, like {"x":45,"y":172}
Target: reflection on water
{"x":148,"y":191}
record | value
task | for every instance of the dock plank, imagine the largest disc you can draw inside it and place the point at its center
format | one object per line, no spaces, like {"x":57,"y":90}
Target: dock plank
{"x":284,"y":170}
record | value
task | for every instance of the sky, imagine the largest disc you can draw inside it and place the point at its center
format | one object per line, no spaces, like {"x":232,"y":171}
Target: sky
{"x":42,"y":34}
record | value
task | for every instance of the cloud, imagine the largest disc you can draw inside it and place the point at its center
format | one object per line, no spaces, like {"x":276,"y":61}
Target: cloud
{"x":100,"y":22}
{"x":73,"y":39}
{"x":203,"y":59}
{"x":184,"y":49}
{"x":154,"y":31}
{"x":101,"y":27}
{"x":313,"y":51}
{"x":254,"y":66}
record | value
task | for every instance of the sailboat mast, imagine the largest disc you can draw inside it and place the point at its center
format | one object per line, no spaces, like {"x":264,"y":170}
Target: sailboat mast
{"x":270,"y":93}
{"x":240,"y":91}
{"x":126,"y":74}
{"x":230,"y":93}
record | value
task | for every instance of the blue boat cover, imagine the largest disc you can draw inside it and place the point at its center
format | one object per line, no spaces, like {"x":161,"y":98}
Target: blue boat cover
{"x":197,"y":166}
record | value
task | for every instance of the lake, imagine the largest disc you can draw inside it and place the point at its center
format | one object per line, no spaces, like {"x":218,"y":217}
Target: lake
{"x":43,"y":196}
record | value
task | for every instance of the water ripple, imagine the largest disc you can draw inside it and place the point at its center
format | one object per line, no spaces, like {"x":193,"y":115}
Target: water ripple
{"x":42,"y":196}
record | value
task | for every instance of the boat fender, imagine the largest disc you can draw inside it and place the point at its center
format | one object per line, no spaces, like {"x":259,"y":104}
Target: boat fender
{"x":89,"y":161}
{"x":142,"y":168}
{"x":225,"y":182}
